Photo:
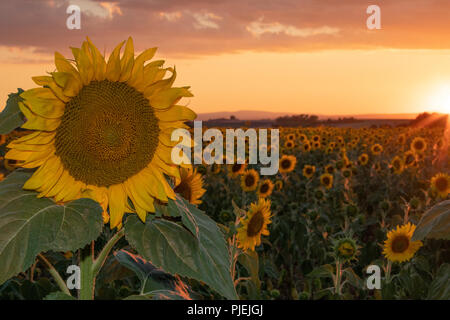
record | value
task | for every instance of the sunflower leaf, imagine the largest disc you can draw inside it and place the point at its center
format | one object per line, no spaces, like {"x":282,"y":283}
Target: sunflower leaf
{"x":435,"y":223}
{"x":11,"y":117}
{"x":30,"y":225}
{"x":173,"y":248}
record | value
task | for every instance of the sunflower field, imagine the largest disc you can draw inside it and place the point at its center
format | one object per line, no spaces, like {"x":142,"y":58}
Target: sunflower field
{"x":343,"y":200}
{"x":93,"y":207}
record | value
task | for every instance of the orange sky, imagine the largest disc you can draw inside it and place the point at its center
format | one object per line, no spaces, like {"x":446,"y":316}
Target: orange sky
{"x":285,"y":67}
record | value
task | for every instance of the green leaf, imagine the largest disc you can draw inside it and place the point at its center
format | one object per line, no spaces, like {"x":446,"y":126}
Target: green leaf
{"x":250,"y":261}
{"x":30,"y":225}
{"x":440,"y":287}
{"x":58,"y":295}
{"x":157,"y":295}
{"x":175,"y":249}
{"x":435,"y":223}
{"x":151,"y":278}
{"x":325,"y":271}
{"x":11,"y":117}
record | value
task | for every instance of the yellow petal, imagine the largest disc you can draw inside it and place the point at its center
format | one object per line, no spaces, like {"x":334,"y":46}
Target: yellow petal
{"x":117,"y":204}
{"x":43,"y":102}
{"x":113,"y":65}
{"x":127,"y":61}
{"x":164,"y":99}
{"x":98,"y":62}
{"x":36,"y":122}
{"x":176,"y":113}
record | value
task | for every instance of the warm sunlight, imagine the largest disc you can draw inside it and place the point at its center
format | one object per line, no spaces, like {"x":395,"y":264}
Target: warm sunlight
{"x":440,"y":99}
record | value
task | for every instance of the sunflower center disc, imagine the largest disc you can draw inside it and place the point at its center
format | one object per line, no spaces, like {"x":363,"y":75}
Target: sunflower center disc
{"x":108,"y":133}
{"x":442,"y":184}
{"x":400,"y":244}
{"x":255,"y":224}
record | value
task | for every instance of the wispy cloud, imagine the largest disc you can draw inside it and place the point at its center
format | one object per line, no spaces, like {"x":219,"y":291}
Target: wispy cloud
{"x":258,"y":28}
{"x":206,"y":20}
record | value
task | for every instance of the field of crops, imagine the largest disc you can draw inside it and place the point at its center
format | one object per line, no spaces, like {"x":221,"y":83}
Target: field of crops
{"x":338,"y":194}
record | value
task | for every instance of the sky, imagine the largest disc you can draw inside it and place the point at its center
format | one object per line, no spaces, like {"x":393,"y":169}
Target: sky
{"x":296,"y":56}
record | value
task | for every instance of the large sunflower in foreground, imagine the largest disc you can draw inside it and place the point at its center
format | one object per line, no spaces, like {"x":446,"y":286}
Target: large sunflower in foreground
{"x":254,"y":225}
{"x":102,"y":130}
{"x":398,"y":247}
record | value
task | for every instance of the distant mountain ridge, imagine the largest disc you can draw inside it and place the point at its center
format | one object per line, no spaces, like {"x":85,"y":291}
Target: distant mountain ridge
{"x":260,"y":115}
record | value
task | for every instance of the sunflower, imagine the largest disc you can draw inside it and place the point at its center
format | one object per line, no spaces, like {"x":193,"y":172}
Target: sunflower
{"x":254,"y":225}
{"x":265,"y":188}
{"x":326,"y":180}
{"x":249,"y":180}
{"x":289,"y":144}
{"x":237,"y":169}
{"x":345,"y":249}
{"x":2,"y":139}
{"x":290,"y":136}
{"x":418,"y":145}
{"x":376,"y":149}
{"x":347,"y":173}
{"x":306,"y":146}
{"x":329,"y":169}
{"x":398,"y":247}
{"x":287,"y":163}
{"x":308,"y":171}
{"x":363,"y":159}
{"x":409,"y":158}
{"x":216,"y":168}
{"x":441,"y":184}
{"x":190,"y":185}
{"x":103,"y":130}
{"x":397,"y":165}
{"x":279,"y":185}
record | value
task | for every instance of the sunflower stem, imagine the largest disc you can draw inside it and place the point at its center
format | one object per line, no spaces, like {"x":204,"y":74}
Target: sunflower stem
{"x":87,"y":277}
{"x":100,"y":260}
{"x":388,"y":271}
{"x":56,"y":276}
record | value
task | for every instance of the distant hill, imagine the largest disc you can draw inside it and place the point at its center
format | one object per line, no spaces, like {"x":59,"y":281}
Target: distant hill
{"x":260,"y":115}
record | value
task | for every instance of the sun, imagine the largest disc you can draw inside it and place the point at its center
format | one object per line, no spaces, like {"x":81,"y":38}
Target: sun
{"x":440,"y":99}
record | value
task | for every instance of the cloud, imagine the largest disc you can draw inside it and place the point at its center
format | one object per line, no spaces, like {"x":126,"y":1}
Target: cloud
{"x":204,"y":27}
{"x":258,"y":28}
{"x":206,"y":20}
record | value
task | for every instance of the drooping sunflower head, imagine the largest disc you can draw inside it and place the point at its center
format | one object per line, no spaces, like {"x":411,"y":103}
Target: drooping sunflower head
{"x":254,"y":225}
{"x":345,"y":249}
{"x":265,"y":188}
{"x":398,"y":247}
{"x":397,"y":165}
{"x":440,"y":183}
{"x":190,"y":185}
{"x":326,"y":180}
{"x":418,"y":145}
{"x":249,"y":180}
{"x":346,"y":172}
{"x":308,"y":171}
{"x":287,"y":163}
{"x":102,"y":130}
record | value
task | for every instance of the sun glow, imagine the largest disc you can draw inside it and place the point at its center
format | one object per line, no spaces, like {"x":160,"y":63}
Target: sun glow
{"x":440,"y":100}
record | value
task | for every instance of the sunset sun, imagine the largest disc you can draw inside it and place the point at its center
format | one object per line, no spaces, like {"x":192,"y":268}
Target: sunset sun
{"x":440,"y":99}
